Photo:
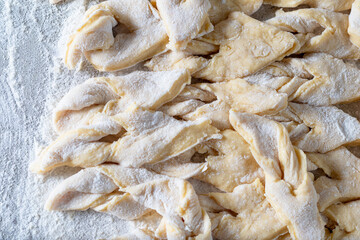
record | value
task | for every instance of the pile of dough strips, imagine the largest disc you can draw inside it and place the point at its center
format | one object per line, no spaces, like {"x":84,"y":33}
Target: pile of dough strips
{"x":247,"y":107}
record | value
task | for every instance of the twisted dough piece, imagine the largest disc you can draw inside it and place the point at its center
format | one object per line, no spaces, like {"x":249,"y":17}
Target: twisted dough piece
{"x":184,"y":20}
{"x":288,"y":186}
{"x":346,"y":215}
{"x":333,"y":5}
{"x":317,"y":79}
{"x":145,"y":35}
{"x":246,"y":46}
{"x":130,"y":193}
{"x":236,"y":94}
{"x":232,"y":165}
{"x":354,"y":25}
{"x":342,"y":182}
{"x":149,"y":90}
{"x":152,"y":137}
{"x":252,"y":215}
{"x":317,"y":125}
{"x":220,"y":10}
{"x":319,"y":31}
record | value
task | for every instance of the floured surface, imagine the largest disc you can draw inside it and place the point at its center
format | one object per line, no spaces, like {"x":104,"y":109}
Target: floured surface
{"x":33,"y":79}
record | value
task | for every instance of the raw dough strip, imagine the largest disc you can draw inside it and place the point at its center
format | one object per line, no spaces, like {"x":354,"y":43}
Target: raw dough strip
{"x":319,"y":31}
{"x":342,"y":182}
{"x":177,"y":60}
{"x":346,"y":215}
{"x":236,"y":94}
{"x":233,"y":163}
{"x":318,"y":125}
{"x":152,"y":137}
{"x":245,"y":97}
{"x":246,"y":46}
{"x":220,"y":10}
{"x":145,"y":36}
{"x":317,"y":79}
{"x":184,"y":20}
{"x":332,"y":5}
{"x":179,"y":167}
{"x":130,"y":193}
{"x":254,"y":219}
{"x":354,"y":25}
{"x":149,"y":90}
{"x":288,"y":186}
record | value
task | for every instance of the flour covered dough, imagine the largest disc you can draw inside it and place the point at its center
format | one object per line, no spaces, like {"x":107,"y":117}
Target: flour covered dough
{"x":220,"y":9}
{"x":78,"y":147}
{"x":144,"y":35}
{"x":233,"y":165}
{"x":184,"y":20}
{"x":246,"y":46}
{"x":346,"y":216}
{"x":148,"y":90}
{"x":333,"y":5}
{"x":289,"y":187}
{"x":114,"y":190}
{"x":255,"y":218}
{"x":324,"y":123}
{"x":341,"y":183}
{"x":318,"y":30}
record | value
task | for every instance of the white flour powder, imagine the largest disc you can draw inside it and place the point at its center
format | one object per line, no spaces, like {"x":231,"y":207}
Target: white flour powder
{"x":33,"y":78}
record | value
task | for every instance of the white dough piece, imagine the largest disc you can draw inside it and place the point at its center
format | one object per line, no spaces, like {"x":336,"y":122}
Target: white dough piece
{"x":318,"y":30}
{"x":148,"y":90}
{"x":288,"y":186}
{"x":184,"y":20}
{"x":145,"y":35}
{"x":342,"y":182}
{"x":140,"y":192}
{"x":152,"y":137}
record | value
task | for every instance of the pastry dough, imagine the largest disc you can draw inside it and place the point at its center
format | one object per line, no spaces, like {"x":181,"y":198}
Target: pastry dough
{"x":149,"y":90}
{"x":246,"y":46}
{"x":145,"y":37}
{"x":220,"y":9}
{"x":216,"y":111}
{"x":184,"y":20}
{"x":354,"y":24}
{"x":319,"y":31}
{"x":245,"y":97}
{"x":255,"y":218}
{"x":317,"y":79}
{"x":164,"y":135}
{"x":233,"y":165}
{"x":288,"y":186}
{"x":324,"y":123}
{"x":333,"y":5}
{"x":342,"y":182}
{"x":176,"y":60}
{"x":113,"y":189}
{"x":347,"y":217}
{"x":179,"y":167}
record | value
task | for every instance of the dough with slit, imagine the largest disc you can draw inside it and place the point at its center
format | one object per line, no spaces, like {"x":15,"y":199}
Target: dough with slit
{"x":318,"y":30}
{"x":149,"y":90}
{"x":254,"y":219}
{"x":184,"y":20}
{"x":246,"y":46}
{"x":145,"y":36}
{"x":232,"y":165}
{"x":146,"y":130}
{"x":174,"y":199}
{"x":288,"y":186}
{"x":332,"y":5}
{"x":342,"y":180}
